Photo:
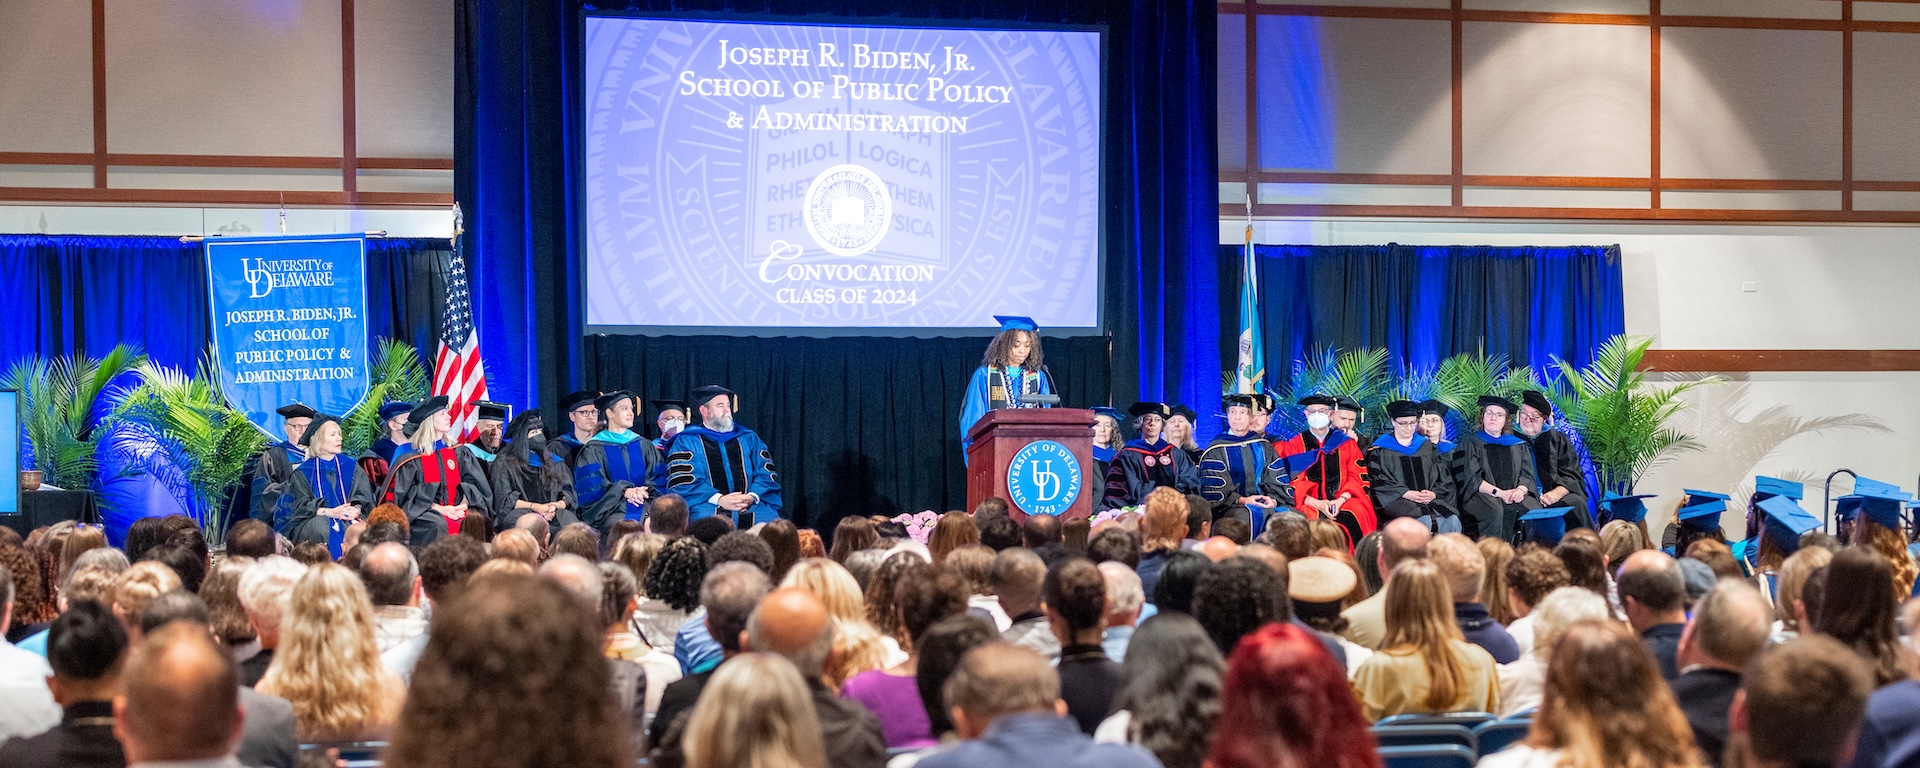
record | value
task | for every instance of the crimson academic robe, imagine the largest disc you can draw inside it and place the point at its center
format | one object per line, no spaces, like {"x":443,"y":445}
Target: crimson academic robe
{"x":1325,"y":469}
{"x":448,"y":476}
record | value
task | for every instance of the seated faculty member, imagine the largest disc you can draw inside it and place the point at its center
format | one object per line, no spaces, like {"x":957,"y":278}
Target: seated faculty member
{"x":722,"y":467}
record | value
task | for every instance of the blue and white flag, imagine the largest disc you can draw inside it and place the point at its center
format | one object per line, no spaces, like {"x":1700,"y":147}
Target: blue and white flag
{"x":1250,"y":372}
{"x":289,"y":323}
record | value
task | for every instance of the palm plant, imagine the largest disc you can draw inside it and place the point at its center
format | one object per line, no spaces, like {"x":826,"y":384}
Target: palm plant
{"x":58,"y":397}
{"x":397,"y":374}
{"x":1360,"y":374}
{"x":1620,"y":416}
{"x":206,"y":442}
{"x":1460,"y":380}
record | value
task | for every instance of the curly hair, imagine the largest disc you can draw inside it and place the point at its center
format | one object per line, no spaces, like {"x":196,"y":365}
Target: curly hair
{"x":856,"y":644}
{"x":447,"y":564}
{"x":1002,"y":345}
{"x":744,"y":547}
{"x":676,"y":573}
{"x":811,"y":545}
{"x":511,"y":676}
{"x":1173,"y":678}
{"x":926,"y":596}
{"x":1235,"y":597}
{"x":27,"y":585}
{"x":881,"y":612}
{"x":328,"y":664}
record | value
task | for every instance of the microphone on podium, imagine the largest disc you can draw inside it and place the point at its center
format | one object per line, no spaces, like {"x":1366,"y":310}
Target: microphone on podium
{"x":1038,"y":399}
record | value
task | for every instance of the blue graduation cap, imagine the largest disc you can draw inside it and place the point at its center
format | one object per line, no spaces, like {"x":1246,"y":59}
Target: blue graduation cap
{"x":1016,"y":323}
{"x":1546,"y":526}
{"x":1701,"y":510}
{"x":1628,"y":508}
{"x":1785,"y":521}
{"x":1883,"y":502}
{"x":1111,"y":413}
{"x":1764,"y":486}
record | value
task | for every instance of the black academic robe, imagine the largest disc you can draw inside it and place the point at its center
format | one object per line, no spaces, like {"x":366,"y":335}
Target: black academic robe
{"x":1505,"y":461}
{"x":1139,"y":468}
{"x":564,"y":447}
{"x":603,"y":470}
{"x":271,"y":471}
{"x":1395,"y":469}
{"x":531,"y":484}
{"x":317,"y":484}
{"x":1558,"y":466}
{"x":455,"y":477}
{"x":1234,"y":466}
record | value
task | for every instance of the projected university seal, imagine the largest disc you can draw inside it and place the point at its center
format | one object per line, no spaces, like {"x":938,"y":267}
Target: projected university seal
{"x":848,"y":209}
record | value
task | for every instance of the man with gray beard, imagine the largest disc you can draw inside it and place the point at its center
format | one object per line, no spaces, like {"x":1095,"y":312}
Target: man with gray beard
{"x":721,"y":467}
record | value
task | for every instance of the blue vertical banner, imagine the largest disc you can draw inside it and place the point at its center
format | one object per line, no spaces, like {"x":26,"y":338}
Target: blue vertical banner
{"x":289,"y":323}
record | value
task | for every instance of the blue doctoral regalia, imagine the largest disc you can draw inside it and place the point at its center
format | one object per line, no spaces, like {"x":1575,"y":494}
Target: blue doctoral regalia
{"x":703,"y":464}
{"x":604,"y":469}
{"x":992,"y":389}
{"x":318,"y":483}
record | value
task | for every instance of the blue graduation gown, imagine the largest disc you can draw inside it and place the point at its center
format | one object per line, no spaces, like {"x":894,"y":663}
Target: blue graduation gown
{"x":322,"y":483}
{"x":993,"y":389}
{"x":1233,"y":466}
{"x":702,"y":464}
{"x":604,"y":469}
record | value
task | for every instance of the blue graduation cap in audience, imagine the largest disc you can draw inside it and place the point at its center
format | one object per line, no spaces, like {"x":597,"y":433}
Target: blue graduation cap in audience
{"x":1764,"y":487}
{"x":1785,"y":521}
{"x":1628,"y":508}
{"x":1883,"y":502}
{"x":1701,"y":510}
{"x":1016,"y":323}
{"x":1546,"y":526}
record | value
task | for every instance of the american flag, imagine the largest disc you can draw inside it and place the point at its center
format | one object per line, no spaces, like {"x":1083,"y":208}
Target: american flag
{"x":457,"y":372}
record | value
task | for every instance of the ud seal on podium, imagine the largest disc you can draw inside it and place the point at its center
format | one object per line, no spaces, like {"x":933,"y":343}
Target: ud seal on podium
{"x":1043,"y":478}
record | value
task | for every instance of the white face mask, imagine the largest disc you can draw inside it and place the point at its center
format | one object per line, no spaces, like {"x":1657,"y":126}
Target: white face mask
{"x":1318,"y":420}
{"x":673,"y":426}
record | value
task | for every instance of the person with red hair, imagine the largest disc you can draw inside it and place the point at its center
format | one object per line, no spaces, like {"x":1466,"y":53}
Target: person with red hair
{"x":1286,"y":702}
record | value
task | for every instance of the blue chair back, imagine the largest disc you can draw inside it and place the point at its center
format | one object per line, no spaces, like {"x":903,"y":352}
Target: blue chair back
{"x":353,"y":754}
{"x":1440,"y":756}
{"x":1469,"y":719}
{"x":1421,"y":735}
{"x":1500,"y":734}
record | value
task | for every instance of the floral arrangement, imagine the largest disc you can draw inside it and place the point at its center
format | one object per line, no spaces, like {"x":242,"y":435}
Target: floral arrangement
{"x":919,"y":525}
{"x":1114,"y":514}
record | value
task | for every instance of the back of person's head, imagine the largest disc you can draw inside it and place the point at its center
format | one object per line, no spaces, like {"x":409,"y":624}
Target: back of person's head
{"x":1563,"y":608}
{"x":1124,"y":593}
{"x":390,"y":574}
{"x":852,"y":534}
{"x":617,"y":591}
{"x":940,"y":651}
{"x":389,"y":513}
{"x":383,"y":531}
{"x":1858,"y":606}
{"x":85,"y":645}
{"x":328,"y":662}
{"x":667,"y":515}
{"x":1199,"y":516}
{"x":168,"y":607}
{"x":180,"y":698}
{"x":578,"y":574}
{"x":973,"y":563}
{"x":1605,"y":703}
{"x":1117,"y":545}
{"x":1653,"y":580}
{"x":1017,"y":578}
{"x":783,"y":539}
{"x":1076,"y":593}
{"x":516,"y":544}
{"x":221,"y":591}
{"x":537,"y":527}
{"x":1717,"y":556}
{"x":308,"y":552}
{"x":1286,"y":701}
{"x":928,"y":595}
{"x":675,"y":575}
{"x":1419,"y":617}
{"x":1619,"y":538}
{"x":115,"y":561}
{"x":1802,"y":703}
{"x":1040,"y":531}
{"x":1171,"y":686}
{"x":1177,"y":580}
{"x":1732,"y":623}
{"x":1235,"y":530}
{"x":89,"y":582}
{"x":621,"y":529}
{"x":1792,"y":583}
{"x":144,"y":534}
{"x":1402,"y":541}
{"x":1461,"y":563}
{"x":760,"y":713}
{"x":791,"y":622}
{"x":1289,"y":533}
{"x":833,"y":584}
{"x":998,"y":532}
{"x":577,"y":539}
{"x":990,"y":507}
{"x":512,"y":675}
{"x":1586,"y":566}
{"x":1496,"y":555}
{"x":1327,"y":534}
{"x":447,"y":564}
{"x":1535,"y":573}
{"x":741,"y":547}
{"x":1000,"y":679}
{"x":729,"y":593}
{"x":139,"y":585}
{"x":250,"y":538}
{"x":635,"y":551}
{"x":953,"y":531}
{"x":1237,"y":596}
{"x":183,"y":561}
{"x":1164,"y":521}
{"x":1366,"y":552}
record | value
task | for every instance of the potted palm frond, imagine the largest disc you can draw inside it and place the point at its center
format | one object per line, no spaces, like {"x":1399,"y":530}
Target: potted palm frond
{"x":58,"y":400}
{"x":1460,"y":380}
{"x":1620,"y":416}
{"x":1360,"y":374}
{"x":206,"y":442}
{"x":397,"y":374}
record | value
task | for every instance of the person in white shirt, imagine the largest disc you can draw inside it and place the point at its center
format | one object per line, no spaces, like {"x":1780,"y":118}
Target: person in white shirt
{"x":26,"y":704}
{"x":1522,"y":681}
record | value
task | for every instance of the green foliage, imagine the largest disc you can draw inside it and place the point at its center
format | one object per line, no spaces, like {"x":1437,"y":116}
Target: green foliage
{"x":1360,"y":374}
{"x":1620,"y":416}
{"x":397,"y":374}
{"x":57,"y":400}
{"x":208,"y":442}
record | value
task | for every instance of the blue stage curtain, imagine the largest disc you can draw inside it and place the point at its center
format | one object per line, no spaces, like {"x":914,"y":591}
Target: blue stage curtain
{"x":515,"y":135}
{"x":1426,"y":303}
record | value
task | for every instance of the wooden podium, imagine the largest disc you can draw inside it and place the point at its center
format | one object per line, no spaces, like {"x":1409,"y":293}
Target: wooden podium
{"x":1001,"y":434}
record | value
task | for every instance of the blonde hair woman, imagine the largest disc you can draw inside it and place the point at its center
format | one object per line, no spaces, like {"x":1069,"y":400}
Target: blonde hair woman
{"x":1493,"y":584}
{"x":1620,"y":538}
{"x":328,"y":664}
{"x":1605,"y":707}
{"x":1425,"y":665}
{"x":138,"y":586}
{"x":1788,"y":609}
{"x":857,"y":646}
{"x":953,"y":531}
{"x":1523,"y":682}
{"x":759,"y":715}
